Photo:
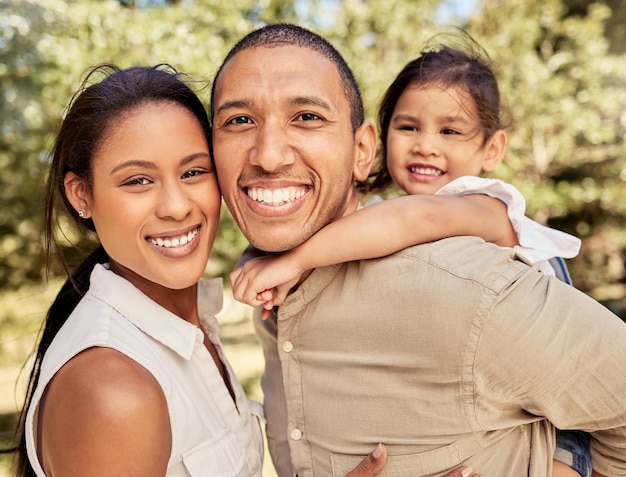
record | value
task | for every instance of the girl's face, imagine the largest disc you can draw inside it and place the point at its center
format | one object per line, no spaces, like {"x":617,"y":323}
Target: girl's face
{"x":435,"y":136}
{"x":155,"y":201}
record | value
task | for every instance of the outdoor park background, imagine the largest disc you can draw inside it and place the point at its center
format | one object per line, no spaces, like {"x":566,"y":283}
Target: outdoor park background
{"x":562,"y":70}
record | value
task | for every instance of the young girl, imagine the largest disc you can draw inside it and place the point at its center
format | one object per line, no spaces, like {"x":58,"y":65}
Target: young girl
{"x":440,"y":127}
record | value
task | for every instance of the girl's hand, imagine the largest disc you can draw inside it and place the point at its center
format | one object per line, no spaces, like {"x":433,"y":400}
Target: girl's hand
{"x":265,"y":281}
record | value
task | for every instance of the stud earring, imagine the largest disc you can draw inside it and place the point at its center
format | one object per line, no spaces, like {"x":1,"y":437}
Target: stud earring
{"x":82,"y":213}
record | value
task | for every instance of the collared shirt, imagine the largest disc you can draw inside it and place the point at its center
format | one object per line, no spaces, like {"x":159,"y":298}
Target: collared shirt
{"x":452,"y":352}
{"x":211,"y":436}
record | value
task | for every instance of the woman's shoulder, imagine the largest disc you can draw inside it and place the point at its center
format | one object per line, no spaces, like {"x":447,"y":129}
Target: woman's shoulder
{"x":103,"y":399}
{"x":106,"y":384}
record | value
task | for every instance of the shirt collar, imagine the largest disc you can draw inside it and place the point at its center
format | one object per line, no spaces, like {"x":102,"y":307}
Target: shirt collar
{"x":154,"y":320}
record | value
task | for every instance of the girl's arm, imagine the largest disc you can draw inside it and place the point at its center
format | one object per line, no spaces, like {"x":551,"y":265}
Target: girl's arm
{"x":374,"y":231}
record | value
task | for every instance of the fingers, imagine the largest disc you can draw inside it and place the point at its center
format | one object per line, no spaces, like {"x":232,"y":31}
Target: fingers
{"x":265,"y":314}
{"x":266,"y":296}
{"x":372,"y":464}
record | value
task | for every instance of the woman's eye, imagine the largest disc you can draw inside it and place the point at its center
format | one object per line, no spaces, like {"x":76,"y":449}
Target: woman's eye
{"x":137,"y":181}
{"x":194,"y":173}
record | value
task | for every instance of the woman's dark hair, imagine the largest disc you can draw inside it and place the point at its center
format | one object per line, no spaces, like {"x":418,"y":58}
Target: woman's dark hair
{"x":448,"y":60}
{"x":94,"y":110}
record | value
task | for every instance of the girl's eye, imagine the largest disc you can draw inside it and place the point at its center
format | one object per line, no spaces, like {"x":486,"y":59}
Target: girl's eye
{"x":407,"y":127}
{"x":450,"y":131}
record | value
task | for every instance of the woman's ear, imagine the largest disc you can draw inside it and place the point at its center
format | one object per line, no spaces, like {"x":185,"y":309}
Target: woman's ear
{"x":494,"y":151}
{"x":365,"y":150}
{"x":77,"y":194}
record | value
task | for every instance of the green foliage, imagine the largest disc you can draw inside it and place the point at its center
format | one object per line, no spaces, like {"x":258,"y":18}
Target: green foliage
{"x":566,"y":143}
{"x":564,"y":85}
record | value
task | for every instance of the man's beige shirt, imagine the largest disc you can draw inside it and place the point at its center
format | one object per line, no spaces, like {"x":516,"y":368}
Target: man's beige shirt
{"x":450,"y":353}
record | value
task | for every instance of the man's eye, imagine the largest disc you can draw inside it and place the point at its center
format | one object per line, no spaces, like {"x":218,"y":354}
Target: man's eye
{"x":309,"y":117}
{"x":240,"y":120}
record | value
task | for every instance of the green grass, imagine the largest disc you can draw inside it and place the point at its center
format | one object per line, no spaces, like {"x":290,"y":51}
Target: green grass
{"x":21,"y":315}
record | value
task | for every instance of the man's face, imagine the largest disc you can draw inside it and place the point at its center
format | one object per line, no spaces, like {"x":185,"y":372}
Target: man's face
{"x":283,"y":145}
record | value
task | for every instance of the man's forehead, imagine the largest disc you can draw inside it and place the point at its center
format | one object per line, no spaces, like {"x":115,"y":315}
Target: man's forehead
{"x":297,"y":72}
{"x":271,"y":60}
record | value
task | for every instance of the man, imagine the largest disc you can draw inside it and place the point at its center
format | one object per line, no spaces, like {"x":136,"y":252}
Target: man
{"x":450,"y":352}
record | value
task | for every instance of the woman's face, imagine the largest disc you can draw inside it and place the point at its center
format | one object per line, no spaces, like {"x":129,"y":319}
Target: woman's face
{"x":155,"y":201}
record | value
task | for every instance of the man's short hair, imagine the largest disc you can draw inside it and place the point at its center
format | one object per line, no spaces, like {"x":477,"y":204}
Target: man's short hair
{"x":281,"y":34}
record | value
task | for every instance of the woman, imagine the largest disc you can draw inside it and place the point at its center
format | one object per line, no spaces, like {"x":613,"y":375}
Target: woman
{"x":130,"y":377}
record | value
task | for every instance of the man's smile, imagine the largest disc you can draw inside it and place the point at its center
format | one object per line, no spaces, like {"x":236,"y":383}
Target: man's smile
{"x":276,"y":196}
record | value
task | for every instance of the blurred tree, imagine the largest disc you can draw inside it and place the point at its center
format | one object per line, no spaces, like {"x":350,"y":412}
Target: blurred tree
{"x":24,"y":122}
{"x":567,"y":95}
{"x":559,"y":66}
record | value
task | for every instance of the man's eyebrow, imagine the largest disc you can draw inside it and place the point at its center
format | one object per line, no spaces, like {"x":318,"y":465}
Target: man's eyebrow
{"x":234,"y":104}
{"x":310,"y":100}
{"x":298,"y":101}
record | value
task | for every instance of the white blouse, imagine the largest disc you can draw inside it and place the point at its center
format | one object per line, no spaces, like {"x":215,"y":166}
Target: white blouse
{"x":211,"y":434}
{"x":537,"y":243}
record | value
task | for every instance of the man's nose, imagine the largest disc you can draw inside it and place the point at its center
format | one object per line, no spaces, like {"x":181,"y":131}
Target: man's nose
{"x":272,"y":150}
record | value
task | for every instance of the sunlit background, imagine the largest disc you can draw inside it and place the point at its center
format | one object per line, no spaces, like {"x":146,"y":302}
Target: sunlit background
{"x":562,"y":71}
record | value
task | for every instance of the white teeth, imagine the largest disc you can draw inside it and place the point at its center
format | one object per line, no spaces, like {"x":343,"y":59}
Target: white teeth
{"x":275,"y":196}
{"x":175,"y":242}
{"x":426,"y":171}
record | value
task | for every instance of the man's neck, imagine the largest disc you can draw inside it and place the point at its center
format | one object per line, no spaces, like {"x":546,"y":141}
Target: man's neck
{"x":352,"y":203}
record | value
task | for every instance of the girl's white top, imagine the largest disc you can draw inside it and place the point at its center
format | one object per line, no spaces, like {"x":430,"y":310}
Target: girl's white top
{"x":537,"y":243}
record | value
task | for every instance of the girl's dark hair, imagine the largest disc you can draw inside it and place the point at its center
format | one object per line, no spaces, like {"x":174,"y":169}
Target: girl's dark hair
{"x":92,"y":113}
{"x":448,"y":60}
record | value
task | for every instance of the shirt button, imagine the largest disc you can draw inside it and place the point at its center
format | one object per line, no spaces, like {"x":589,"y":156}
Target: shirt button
{"x":296,"y":434}
{"x":287,"y":346}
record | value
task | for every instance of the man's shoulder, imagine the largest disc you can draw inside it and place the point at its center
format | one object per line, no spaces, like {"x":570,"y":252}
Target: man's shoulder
{"x":466,"y":258}
{"x":454,"y":247}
